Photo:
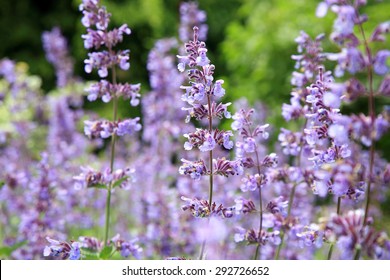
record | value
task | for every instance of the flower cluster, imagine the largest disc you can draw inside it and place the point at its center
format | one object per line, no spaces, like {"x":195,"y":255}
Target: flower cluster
{"x":96,"y":20}
{"x":62,"y":249}
{"x":56,"y":49}
{"x":201,"y":95}
{"x":352,"y":235}
{"x":91,"y":178}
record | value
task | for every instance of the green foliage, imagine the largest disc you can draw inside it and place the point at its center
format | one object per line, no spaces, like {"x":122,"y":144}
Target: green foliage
{"x":106,"y":253}
{"x":5,"y":252}
{"x":260,"y":43}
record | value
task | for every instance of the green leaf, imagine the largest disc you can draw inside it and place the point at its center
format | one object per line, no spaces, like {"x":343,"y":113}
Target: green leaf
{"x":98,"y":186}
{"x":119,"y":182}
{"x":106,"y":253}
{"x":7,"y":251}
{"x":89,"y":254}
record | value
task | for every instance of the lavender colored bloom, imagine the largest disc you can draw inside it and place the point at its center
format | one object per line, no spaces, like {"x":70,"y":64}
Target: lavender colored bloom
{"x":331,"y":100}
{"x":380,"y":30}
{"x":384,"y":87}
{"x":202,"y":59}
{"x":90,"y":178}
{"x":218,"y":90}
{"x":352,"y":234}
{"x":191,"y":16}
{"x":278,"y":206}
{"x":127,"y":248}
{"x":208,"y":144}
{"x":312,"y":235}
{"x":350,"y":59}
{"x":345,"y":21}
{"x":322,"y":9}
{"x":63,"y":250}
{"x":244,"y":206}
{"x":105,"y":129}
{"x":380,"y":59}
{"x":56,"y":49}
{"x":202,"y":208}
{"x":128,"y":127}
{"x":339,"y":134}
{"x":195,"y":169}
{"x":7,"y":69}
{"x":250,"y":183}
{"x":226,"y":167}
{"x":293,"y":110}
{"x":290,"y":141}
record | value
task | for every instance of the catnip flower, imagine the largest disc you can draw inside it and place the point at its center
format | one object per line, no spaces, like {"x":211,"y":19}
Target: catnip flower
{"x":56,"y":48}
{"x":62,"y":249}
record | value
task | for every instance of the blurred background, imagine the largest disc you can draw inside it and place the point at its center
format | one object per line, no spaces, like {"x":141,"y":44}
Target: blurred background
{"x":249,"y":41}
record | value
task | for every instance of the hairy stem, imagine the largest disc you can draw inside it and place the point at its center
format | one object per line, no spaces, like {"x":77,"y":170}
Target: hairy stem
{"x":338,"y":213}
{"x":211,"y":178}
{"x":113,"y":140}
{"x":211,"y":183}
{"x":258,"y":249}
{"x":292,"y":194}
{"x":371,"y":111}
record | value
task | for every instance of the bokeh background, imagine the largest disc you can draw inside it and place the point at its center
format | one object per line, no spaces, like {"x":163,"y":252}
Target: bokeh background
{"x":249,"y":41}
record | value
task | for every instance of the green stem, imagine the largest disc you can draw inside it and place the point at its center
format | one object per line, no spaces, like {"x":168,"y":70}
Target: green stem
{"x":357,"y":254}
{"x":108,"y":202}
{"x":257,"y":252}
{"x":113,"y":140}
{"x":202,"y":250}
{"x":258,"y":247}
{"x":280,"y":246}
{"x":338,"y":213}
{"x":371,"y":109}
{"x":292,"y":194}
{"x":290,"y":202}
{"x":211,"y":181}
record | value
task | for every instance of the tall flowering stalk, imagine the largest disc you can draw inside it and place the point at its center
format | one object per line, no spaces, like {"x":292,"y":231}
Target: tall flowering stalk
{"x":202,"y":94}
{"x":96,"y":19}
{"x":57,"y":53}
{"x":351,"y":59}
{"x":248,"y":153}
{"x":293,"y":143}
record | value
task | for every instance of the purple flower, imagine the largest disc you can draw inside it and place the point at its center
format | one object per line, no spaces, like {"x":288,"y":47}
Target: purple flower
{"x":312,"y":235}
{"x":380,"y":59}
{"x":63,"y":250}
{"x":128,"y":126}
{"x":127,"y":248}
{"x":195,"y":169}
{"x":202,"y":59}
{"x":345,"y":21}
{"x":339,"y":134}
{"x":350,"y":59}
{"x":244,"y":206}
{"x":380,"y":30}
{"x":278,"y":206}
{"x":293,"y":110}
{"x":218,"y":90}
{"x":290,"y":142}
{"x":56,"y":49}
{"x":208,"y":144}
{"x":191,"y":16}
{"x":250,"y":183}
